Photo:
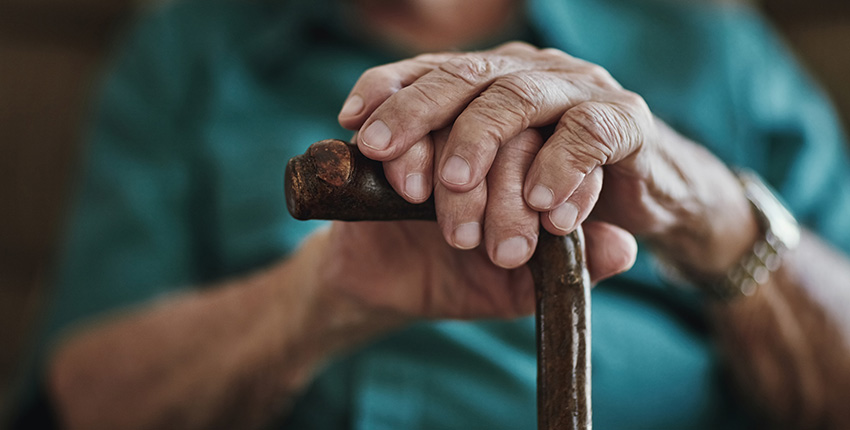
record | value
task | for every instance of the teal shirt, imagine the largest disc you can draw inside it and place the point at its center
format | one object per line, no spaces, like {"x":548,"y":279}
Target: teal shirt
{"x":208,"y":99}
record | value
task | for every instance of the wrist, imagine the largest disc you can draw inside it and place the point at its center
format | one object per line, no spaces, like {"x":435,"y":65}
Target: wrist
{"x":331,"y":322}
{"x":711,"y":244}
{"x":778,"y":232}
{"x":713,"y":225}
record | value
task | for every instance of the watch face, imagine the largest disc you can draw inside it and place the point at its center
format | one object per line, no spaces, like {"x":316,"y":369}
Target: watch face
{"x":778,"y":220}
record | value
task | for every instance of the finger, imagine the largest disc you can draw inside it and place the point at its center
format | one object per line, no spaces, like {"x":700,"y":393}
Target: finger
{"x":514,"y":102}
{"x":430,"y":103}
{"x":566,"y":217}
{"x":610,"y":250}
{"x":510,"y":226}
{"x":411,"y":173}
{"x":379,"y":83}
{"x":589,"y":135}
{"x":460,"y":215}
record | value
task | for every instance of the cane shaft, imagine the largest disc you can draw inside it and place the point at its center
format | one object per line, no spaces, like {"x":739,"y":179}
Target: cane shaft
{"x":334,"y":181}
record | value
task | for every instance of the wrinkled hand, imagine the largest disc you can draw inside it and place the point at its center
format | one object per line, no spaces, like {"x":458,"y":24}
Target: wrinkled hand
{"x":406,"y":269}
{"x":513,"y":139}
{"x":488,"y":99}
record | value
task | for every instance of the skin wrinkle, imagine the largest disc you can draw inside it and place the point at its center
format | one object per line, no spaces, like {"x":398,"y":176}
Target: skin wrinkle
{"x":670,"y":188}
{"x":576,"y":131}
{"x":525,"y":94}
{"x":423,"y":94}
{"x":562,"y":159}
{"x":612,"y":130}
{"x":495,"y":126}
{"x":509,"y":168}
{"x":811,"y":396}
{"x":475,"y":159}
{"x":588,"y":191}
{"x":456,"y":208}
{"x":476,"y":71}
{"x":700,"y":241}
{"x":415,"y":160}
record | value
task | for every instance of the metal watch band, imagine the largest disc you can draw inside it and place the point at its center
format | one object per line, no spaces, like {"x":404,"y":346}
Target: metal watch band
{"x":753,"y":270}
{"x":779,"y":234}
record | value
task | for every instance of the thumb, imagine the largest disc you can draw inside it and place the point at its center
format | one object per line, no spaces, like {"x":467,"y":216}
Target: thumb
{"x":610,"y":250}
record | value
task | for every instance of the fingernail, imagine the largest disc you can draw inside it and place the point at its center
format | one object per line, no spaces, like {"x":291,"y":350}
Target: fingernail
{"x":467,"y":236}
{"x":456,"y":170}
{"x":376,"y":136}
{"x":511,"y":252}
{"x":541,"y":197}
{"x":564,"y":216}
{"x":352,"y":106}
{"x":414,"y":186}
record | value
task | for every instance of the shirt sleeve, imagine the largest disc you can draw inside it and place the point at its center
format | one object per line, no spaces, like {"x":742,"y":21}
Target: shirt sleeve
{"x":804,"y":149}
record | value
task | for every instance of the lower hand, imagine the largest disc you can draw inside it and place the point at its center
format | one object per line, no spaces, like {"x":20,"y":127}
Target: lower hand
{"x":405,"y":269}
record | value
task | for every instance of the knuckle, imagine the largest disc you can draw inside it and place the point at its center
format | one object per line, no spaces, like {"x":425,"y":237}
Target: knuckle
{"x":382,"y":74}
{"x":518,"y":92}
{"x":587,"y":121}
{"x":593,"y":73}
{"x":417,"y":157}
{"x":492,"y":120}
{"x":636,"y":104}
{"x":492,"y":135}
{"x":430,"y":58}
{"x":588,"y":192}
{"x":396,"y":168}
{"x":527,"y":143}
{"x":553,"y":51}
{"x":600,"y":76}
{"x":415,"y":96}
{"x":634,"y":113}
{"x":634,"y":99}
{"x":597,"y":130}
{"x":513,"y":161}
{"x":472,"y":69}
{"x":481,"y":154}
{"x":584,"y":157}
{"x":519,"y":153}
{"x":598,"y":71}
{"x":557,"y":54}
{"x":516,"y":46}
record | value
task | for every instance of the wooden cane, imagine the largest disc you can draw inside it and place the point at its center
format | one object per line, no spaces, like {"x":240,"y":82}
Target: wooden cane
{"x":332,"y":180}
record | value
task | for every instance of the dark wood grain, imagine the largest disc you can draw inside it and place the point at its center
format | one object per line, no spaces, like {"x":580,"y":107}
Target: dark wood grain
{"x":562,"y":288}
{"x":332,"y":180}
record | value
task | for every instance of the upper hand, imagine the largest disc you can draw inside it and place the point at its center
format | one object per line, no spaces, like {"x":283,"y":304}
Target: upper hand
{"x":482,"y":106}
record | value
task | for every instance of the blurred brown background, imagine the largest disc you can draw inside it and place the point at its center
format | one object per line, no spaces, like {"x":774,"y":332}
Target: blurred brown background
{"x":51,"y":52}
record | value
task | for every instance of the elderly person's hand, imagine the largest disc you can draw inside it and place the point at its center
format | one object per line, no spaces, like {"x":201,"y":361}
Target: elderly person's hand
{"x":407,"y":269}
{"x":657,"y":184}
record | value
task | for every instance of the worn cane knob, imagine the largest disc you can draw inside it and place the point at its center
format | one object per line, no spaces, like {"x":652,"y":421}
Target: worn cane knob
{"x":333,"y":180}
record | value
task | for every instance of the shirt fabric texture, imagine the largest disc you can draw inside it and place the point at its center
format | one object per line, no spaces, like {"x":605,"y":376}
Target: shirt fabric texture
{"x":206,"y":100}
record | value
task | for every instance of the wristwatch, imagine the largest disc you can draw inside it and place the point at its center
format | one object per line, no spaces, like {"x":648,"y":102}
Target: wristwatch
{"x":780,"y":234}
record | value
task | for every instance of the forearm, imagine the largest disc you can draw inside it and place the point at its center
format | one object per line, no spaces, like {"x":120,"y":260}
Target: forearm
{"x":233,"y":356}
{"x":788,"y":346}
